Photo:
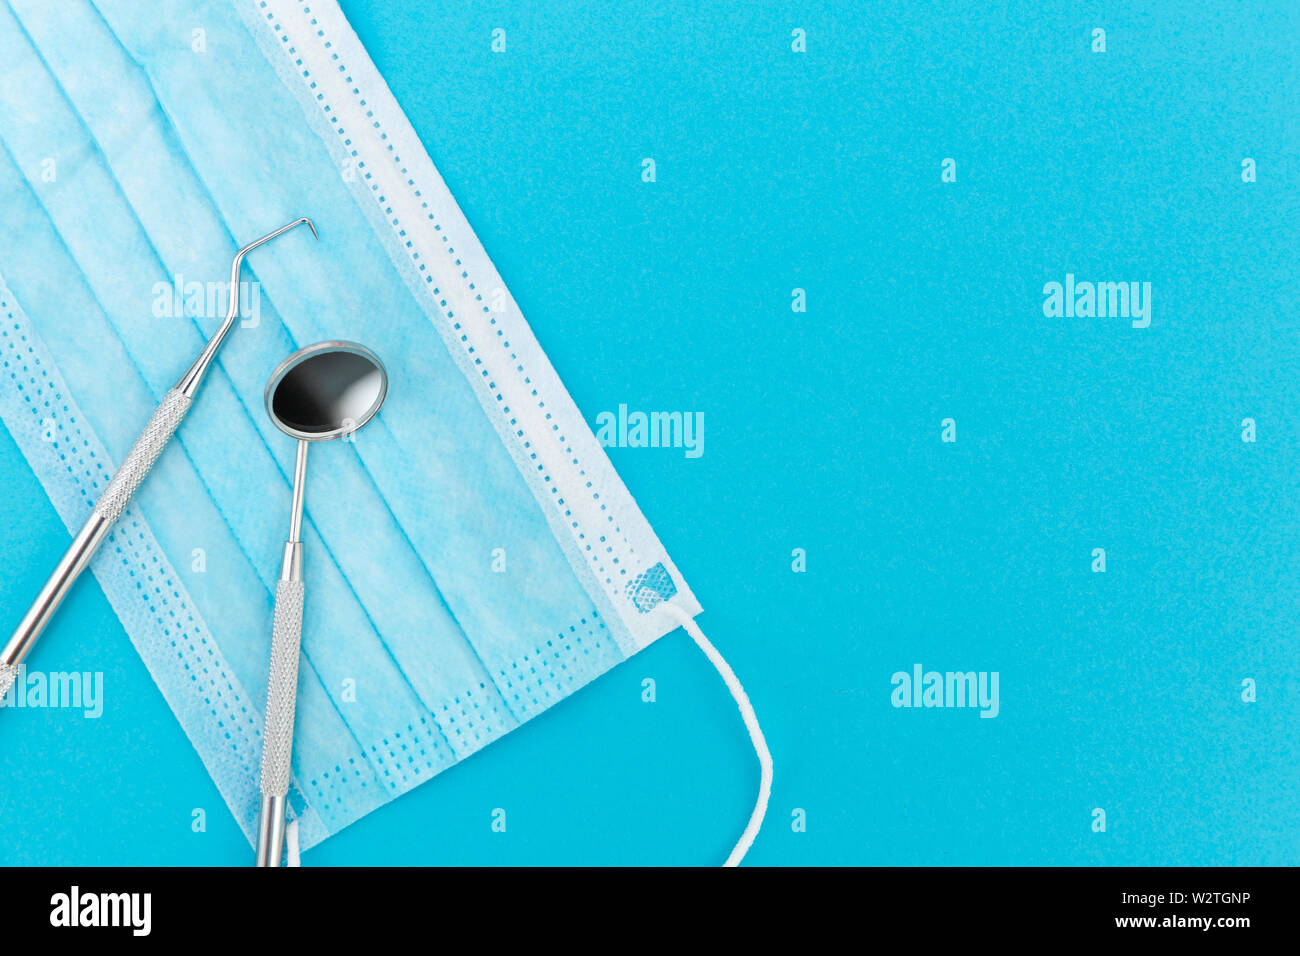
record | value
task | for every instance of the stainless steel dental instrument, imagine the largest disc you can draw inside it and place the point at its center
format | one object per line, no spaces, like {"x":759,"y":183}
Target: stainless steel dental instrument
{"x":115,"y":497}
{"x":320,"y":392}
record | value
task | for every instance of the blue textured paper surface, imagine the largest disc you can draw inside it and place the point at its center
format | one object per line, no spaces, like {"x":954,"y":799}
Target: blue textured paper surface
{"x":778,"y":170}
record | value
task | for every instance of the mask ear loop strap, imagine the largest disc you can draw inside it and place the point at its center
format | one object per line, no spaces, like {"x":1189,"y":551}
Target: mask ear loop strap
{"x":746,"y":713}
{"x":751,"y":724}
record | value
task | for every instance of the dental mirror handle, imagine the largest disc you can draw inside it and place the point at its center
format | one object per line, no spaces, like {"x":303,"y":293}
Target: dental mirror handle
{"x":107,"y":509}
{"x":282,"y":685}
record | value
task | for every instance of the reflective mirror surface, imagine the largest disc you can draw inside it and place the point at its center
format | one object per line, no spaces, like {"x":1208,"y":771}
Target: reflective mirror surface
{"x":326,"y":390}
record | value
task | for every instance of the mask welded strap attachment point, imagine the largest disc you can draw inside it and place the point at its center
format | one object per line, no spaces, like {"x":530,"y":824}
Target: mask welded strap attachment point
{"x":751,"y":724}
{"x":125,"y":481}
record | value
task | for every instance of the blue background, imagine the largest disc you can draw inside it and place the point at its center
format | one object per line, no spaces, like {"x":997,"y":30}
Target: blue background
{"x":821,"y":171}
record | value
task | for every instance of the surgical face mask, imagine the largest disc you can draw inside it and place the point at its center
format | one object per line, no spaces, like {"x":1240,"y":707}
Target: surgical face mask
{"x":474,"y":558}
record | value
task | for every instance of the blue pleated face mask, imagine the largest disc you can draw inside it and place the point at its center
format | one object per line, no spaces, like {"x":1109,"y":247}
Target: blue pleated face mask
{"x":472,"y":557}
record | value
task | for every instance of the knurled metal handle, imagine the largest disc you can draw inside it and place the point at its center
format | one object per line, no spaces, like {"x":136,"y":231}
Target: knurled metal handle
{"x":282,"y":688}
{"x":111,"y":504}
{"x":142,"y":455}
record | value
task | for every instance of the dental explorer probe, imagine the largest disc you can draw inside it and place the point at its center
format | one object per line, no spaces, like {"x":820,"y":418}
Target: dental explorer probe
{"x":125,"y":481}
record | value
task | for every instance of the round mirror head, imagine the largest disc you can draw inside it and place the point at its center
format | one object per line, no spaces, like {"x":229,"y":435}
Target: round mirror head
{"x":326,"y":390}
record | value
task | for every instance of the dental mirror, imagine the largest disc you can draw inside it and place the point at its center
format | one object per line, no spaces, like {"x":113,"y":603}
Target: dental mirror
{"x":326,"y":390}
{"x":318,"y":393}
